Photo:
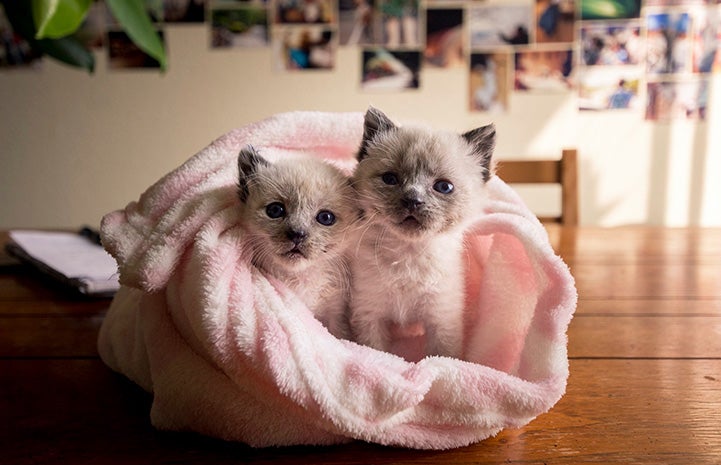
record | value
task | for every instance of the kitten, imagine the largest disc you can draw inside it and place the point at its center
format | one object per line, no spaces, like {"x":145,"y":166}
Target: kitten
{"x":418,"y":188}
{"x":297,"y":213}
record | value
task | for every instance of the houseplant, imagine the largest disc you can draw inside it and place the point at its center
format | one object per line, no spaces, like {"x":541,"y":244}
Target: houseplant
{"x":48,"y":26}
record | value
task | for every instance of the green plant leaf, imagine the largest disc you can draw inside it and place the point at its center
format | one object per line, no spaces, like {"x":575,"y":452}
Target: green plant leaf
{"x":67,"y":49}
{"x":131,"y":14}
{"x":58,"y":18}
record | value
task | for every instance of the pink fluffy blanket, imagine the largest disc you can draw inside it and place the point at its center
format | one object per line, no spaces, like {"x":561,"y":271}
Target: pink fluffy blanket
{"x":231,"y":353}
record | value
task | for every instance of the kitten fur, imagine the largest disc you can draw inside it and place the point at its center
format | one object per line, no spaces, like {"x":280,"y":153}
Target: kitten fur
{"x":407,"y":268}
{"x":291,"y":243}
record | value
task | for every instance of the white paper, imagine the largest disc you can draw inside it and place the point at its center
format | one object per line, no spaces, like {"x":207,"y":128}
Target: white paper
{"x":72,"y":255}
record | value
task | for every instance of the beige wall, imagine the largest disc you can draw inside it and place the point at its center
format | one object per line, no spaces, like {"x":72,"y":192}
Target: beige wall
{"x":73,"y":146}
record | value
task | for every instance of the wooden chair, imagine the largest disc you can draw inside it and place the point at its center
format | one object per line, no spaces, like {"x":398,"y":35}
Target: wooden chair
{"x":563,"y":172}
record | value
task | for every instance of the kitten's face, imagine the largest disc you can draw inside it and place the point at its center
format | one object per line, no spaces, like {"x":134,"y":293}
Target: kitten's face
{"x":418,"y":181}
{"x":296,"y":211}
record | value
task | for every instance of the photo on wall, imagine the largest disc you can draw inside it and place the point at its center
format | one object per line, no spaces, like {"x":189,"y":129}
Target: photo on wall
{"x":669,"y":45}
{"x":611,"y":44}
{"x":184,"y":11}
{"x":243,"y":26}
{"x":555,"y":20}
{"x":707,"y":40}
{"x":304,"y":11}
{"x":489,"y":83}
{"x":301,"y":48}
{"x":683,"y":3}
{"x":359,"y":23}
{"x":444,"y":38}
{"x":15,"y":52}
{"x":610,"y":9}
{"x":609,"y":88}
{"x":92,"y":32}
{"x":685,"y":99}
{"x":506,"y":24}
{"x":124,"y":54}
{"x":390,"y":70}
{"x":400,"y":20}
{"x":544,"y":70}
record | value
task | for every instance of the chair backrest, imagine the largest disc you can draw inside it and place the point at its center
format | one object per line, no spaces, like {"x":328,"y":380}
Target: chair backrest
{"x":563,"y":172}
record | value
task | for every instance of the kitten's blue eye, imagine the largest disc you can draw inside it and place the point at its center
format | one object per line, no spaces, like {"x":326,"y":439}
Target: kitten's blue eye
{"x":390,"y":178}
{"x":275,"y":210}
{"x":325,"y":218}
{"x":444,"y":187}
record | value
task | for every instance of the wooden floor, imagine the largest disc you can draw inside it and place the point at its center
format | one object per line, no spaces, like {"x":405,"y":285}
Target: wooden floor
{"x":645,"y":384}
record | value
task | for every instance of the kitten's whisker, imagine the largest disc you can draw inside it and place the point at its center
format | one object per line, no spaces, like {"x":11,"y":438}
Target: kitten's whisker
{"x":366,"y":225}
{"x":378,"y":243}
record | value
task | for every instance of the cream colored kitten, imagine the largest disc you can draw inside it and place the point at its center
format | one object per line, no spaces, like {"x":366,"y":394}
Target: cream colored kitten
{"x":297,"y":212}
{"x":418,"y":189}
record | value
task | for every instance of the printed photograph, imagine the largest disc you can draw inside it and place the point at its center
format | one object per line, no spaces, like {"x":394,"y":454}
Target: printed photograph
{"x":299,"y":48}
{"x":493,"y":25}
{"x":610,"y":44}
{"x":609,"y":88}
{"x":677,"y":100}
{"x":678,"y":2}
{"x":610,"y":9}
{"x":444,"y":38}
{"x":555,"y":20}
{"x":544,"y":70}
{"x":15,"y":52}
{"x":400,"y":23}
{"x":124,"y":54}
{"x":92,"y":32}
{"x":386,"y":70}
{"x":359,"y":23}
{"x":707,"y":41}
{"x":239,"y":27}
{"x":184,"y":11}
{"x":669,"y":45}
{"x":304,"y":11}
{"x":489,"y":81}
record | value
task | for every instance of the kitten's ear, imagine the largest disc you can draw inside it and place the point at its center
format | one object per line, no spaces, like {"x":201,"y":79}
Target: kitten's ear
{"x":375,"y":123}
{"x":248,"y":162}
{"x":483,"y":141}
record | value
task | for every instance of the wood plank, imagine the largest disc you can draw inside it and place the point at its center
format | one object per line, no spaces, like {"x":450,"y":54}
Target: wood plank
{"x":645,"y":337}
{"x":529,"y":171}
{"x":24,"y":291}
{"x":49,"y":336}
{"x":27,"y":292}
{"x":654,"y":281}
{"x":619,"y":334}
{"x":615,"y":411}
{"x":628,"y":411}
{"x":649,"y":307}
{"x":23,"y":284}
{"x":81,"y":307}
{"x":634,"y":243}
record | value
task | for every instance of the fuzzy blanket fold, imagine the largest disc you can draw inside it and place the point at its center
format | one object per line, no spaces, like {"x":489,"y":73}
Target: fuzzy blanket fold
{"x":229,"y":352}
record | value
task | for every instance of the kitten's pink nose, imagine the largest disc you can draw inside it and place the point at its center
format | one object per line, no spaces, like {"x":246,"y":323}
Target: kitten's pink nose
{"x":296,"y":236}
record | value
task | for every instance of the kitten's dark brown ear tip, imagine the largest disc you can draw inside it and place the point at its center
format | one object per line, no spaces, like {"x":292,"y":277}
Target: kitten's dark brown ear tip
{"x":483,"y":142}
{"x":248,"y":162}
{"x":374,"y":122}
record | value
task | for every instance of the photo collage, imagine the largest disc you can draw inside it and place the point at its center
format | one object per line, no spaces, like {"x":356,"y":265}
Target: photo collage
{"x":651,"y":56}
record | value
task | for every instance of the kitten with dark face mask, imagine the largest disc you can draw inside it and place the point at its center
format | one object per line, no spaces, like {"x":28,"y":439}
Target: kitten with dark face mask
{"x":418,"y":189}
{"x":296,"y":213}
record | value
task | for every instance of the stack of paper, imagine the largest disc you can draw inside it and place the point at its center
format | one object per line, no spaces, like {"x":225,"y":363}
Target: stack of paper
{"x":68,"y":257}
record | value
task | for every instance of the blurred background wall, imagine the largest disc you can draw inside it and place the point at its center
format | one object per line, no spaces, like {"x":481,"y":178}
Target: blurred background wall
{"x":74,"y":146}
